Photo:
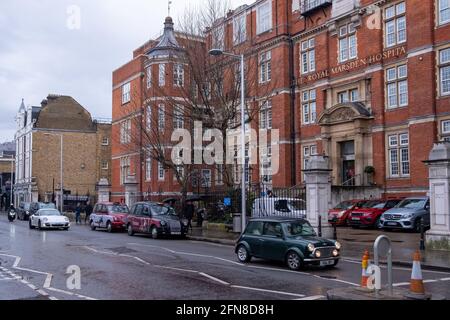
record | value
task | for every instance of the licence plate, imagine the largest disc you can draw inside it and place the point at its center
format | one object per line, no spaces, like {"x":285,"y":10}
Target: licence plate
{"x":356,"y":219}
{"x":391,"y":223}
{"x":326,"y":263}
{"x":176,"y":233}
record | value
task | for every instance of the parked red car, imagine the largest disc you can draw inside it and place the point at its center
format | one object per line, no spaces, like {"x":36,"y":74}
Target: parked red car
{"x":340,"y":213}
{"x":109,"y":216}
{"x":369,"y":215}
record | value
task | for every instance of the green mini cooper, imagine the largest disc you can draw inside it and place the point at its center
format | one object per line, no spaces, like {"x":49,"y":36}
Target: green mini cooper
{"x":292,"y":241}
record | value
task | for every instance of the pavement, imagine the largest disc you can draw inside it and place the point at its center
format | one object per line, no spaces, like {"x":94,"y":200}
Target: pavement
{"x":42,"y":265}
{"x":354,"y":243}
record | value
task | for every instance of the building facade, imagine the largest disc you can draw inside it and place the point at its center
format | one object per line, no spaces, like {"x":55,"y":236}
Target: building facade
{"x":366,"y":83}
{"x":86,"y":145}
{"x":7,"y":169}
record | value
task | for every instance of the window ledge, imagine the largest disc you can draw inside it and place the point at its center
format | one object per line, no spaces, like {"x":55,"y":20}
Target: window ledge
{"x":395,"y":108}
{"x":443,"y":24}
{"x":399,"y":178}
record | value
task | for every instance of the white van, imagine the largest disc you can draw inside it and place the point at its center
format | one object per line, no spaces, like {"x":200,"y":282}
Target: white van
{"x":282,"y":207}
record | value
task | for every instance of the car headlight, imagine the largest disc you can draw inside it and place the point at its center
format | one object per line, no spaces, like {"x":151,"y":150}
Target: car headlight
{"x":407,"y":216}
{"x":184,"y":222}
{"x":66,"y":219}
{"x":318,"y":254}
{"x":45,"y":220}
{"x":340,"y":214}
{"x":338,"y":245}
{"x":335,"y":253}
{"x":311,"y":247}
{"x":163,"y":223}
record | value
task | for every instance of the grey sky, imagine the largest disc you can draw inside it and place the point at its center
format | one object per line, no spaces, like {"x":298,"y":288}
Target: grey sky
{"x":39,"y":54}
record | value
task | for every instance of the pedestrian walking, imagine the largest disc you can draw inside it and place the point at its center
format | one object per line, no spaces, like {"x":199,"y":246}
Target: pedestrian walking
{"x":88,"y":210}
{"x":78,"y":214}
{"x":189,"y":213}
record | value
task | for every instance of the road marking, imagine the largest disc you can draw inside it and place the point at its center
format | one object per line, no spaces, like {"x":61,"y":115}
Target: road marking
{"x":270,"y":291}
{"x":429,"y":281}
{"x":338,"y":280}
{"x":311,"y":298}
{"x":176,"y":269}
{"x":401,"y":284}
{"x":48,"y":279}
{"x":445,"y":279}
{"x":397,"y":268}
{"x":214,"y":279}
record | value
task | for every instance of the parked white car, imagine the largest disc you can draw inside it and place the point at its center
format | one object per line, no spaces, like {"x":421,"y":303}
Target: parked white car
{"x":49,"y":219}
{"x":282,"y":207}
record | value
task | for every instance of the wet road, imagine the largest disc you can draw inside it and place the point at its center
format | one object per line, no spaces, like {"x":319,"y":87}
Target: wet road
{"x":33,"y":265}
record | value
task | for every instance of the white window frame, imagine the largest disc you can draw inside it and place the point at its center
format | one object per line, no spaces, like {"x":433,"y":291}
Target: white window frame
{"x":125,"y":131}
{"x":309,"y":107}
{"x":444,"y":66}
{"x":308,"y":151}
{"x":265,"y":115}
{"x":264,"y":17}
{"x":394,"y":17}
{"x":105,"y":165}
{"x":308,"y":56}
{"x":178,"y":75}
{"x":399,"y":157}
{"x":347,"y":43}
{"x":161,"y":172}
{"x":149,"y":77}
{"x":397,"y":86}
{"x":265,"y":65}
{"x":148,"y":168}
{"x":161,"y":117}
{"x":178,"y":117}
{"x":125,"y":164}
{"x":219,"y":174}
{"x":162,"y":74}
{"x":105,"y":141}
{"x":206,"y":183}
{"x":441,"y":9}
{"x":148,"y":118}
{"x":240,"y":29}
{"x":126,"y":93}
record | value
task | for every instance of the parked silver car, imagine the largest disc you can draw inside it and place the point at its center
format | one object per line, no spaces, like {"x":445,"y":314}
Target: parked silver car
{"x":407,"y":214}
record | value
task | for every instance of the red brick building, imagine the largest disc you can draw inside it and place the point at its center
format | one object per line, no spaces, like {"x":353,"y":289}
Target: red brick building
{"x":365,"y":82}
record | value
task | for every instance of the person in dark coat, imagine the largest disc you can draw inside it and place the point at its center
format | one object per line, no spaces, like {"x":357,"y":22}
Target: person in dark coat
{"x":78,"y":213}
{"x":189,"y":213}
{"x":88,"y":210}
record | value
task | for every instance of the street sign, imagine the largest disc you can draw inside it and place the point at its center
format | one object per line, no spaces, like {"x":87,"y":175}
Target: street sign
{"x":227,"y":202}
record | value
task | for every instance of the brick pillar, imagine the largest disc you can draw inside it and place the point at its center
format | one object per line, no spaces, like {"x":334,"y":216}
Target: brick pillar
{"x":318,"y":193}
{"x":438,"y":237}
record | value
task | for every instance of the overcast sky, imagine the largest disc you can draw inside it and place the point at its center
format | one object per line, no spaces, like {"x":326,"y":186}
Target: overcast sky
{"x":42,"y":51}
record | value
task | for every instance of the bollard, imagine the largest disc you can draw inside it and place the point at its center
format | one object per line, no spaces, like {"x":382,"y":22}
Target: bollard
{"x":422,"y":235}
{"x":320,"y":226}
{"x":334,"y":230}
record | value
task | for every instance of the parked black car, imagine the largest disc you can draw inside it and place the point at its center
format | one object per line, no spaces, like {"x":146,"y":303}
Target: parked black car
{"x":23,"y":211}
{"x":289,"y":240}
{"x":36,"y":206}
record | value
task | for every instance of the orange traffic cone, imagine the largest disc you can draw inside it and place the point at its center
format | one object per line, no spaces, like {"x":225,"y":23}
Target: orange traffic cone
{"x":365,"y":265}
{"x":416,"y":286}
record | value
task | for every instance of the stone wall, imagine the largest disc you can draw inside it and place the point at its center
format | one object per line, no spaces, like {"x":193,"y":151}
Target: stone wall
{"x":339,"y":194}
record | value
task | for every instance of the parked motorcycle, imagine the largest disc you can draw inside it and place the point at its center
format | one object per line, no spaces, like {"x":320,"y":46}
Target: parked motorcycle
{"x":12,"y":214}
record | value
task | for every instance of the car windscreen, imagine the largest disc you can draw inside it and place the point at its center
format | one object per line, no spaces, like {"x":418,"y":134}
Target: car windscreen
{"x":118,"y":209}
{"x":412,"y":203}
{"x":163,"y":211}
{"x":47,"y":206}
{"x":371,"y":204}
{"x":298,"y":229}
{"x":49,"y":213}
{"x":344,"y":205}
{"x":380,"y":205}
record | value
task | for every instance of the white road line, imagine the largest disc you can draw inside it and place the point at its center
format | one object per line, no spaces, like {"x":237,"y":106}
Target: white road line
{"x":53,"y":298}
{"x":33,"y":287}
{"x":175,"y":269}
{"x":61,"y":291}
{"x":338,"y":280}
{"x":270,"y":291}
{"x":445,"y":279}
{"x":311,"y":298}
{"x":214,"y":279}
{"x":398,"y":268}
{"x":400,"y":284}
{"x":429,"y":281}
{"x":42,"y":293}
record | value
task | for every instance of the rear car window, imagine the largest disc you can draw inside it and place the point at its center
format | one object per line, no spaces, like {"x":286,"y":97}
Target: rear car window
{"x":255,"y":228}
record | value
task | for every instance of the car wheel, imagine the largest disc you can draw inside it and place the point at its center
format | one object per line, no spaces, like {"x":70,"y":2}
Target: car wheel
{"x":109,"y":227}
{"x":66,"y":229}
{"x":243,"y":255}
{"x":294,"y":261}
{"x":30,"y":225}
{"x":154,"y":233}
{"x":93,"y":227}
{"x":130,"y":230}
{"x":417,"y":225}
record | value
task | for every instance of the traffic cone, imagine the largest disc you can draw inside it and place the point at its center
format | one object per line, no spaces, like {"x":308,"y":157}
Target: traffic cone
{"x":416,"y":286}
{"x":365,"y":265}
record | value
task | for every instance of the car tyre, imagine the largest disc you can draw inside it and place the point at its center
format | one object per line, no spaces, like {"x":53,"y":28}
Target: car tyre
{"x":109,"y":227}
{"x":130,"y":230}
{"x":93,"y":228}
{"x":294,"y":261}
{"x":417,"y":225}
{"x":243,"y":255}
{"x":66,"y":229}
{"x":154,"y":232}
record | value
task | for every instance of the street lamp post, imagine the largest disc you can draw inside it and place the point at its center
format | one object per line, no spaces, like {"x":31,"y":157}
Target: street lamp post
{"x":218,"y":52}
{"x":61,"y":167}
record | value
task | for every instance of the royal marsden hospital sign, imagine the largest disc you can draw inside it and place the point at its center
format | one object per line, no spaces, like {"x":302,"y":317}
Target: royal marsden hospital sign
{"x":386,"y":55}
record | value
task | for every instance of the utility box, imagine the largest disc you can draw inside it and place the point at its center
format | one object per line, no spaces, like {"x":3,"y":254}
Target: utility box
{"x":237,"y":222}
